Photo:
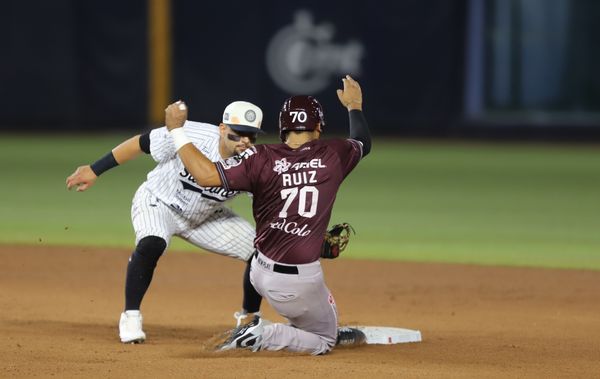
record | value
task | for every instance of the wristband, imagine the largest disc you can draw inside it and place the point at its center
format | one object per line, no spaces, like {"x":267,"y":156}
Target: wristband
{"x":104,"y":164}
{"x":179,"y":138}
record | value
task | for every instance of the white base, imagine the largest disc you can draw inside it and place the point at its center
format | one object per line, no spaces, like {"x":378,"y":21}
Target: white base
{"x":383,"y":335}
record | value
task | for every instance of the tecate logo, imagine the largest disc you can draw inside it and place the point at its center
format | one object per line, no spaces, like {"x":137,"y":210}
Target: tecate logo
{"x":301,"y":58}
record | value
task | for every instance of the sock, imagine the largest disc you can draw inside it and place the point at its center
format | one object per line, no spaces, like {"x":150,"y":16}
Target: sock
{"x":141,"y":269}
{"x":252,"y":299}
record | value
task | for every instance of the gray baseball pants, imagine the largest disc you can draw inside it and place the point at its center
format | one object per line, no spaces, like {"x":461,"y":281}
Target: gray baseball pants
{"x":303,"y":299}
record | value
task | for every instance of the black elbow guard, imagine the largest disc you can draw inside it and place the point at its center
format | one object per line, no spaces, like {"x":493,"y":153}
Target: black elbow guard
{"x":145,"y":143}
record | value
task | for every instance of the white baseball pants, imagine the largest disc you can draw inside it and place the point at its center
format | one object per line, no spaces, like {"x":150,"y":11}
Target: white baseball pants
{"x":222,"y":231}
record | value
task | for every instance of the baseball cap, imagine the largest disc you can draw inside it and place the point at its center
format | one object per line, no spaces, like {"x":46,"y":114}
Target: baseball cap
{"x":243,"y":117}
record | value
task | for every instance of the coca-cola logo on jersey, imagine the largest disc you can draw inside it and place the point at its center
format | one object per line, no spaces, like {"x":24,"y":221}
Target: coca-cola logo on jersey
{"x":291,"y":228}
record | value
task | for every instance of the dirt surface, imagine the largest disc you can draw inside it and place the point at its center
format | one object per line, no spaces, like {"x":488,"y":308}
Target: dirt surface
{"x":59,"y":309}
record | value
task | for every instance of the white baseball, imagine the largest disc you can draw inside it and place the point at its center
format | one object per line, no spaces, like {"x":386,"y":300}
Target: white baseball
{"x":182,"y":107}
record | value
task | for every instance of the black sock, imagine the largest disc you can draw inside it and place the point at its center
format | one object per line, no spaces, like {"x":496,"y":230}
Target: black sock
{"x":252,"y":299}
{"x":141,"y":269}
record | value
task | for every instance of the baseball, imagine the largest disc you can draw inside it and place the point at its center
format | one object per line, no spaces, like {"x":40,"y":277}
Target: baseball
{"x":182,"y":106}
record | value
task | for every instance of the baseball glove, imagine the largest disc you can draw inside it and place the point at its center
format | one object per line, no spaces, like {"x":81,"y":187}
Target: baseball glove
{"x":336,"y":240}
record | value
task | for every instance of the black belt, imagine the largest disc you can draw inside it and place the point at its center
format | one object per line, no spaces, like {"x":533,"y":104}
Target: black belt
{"x":281,"y":268}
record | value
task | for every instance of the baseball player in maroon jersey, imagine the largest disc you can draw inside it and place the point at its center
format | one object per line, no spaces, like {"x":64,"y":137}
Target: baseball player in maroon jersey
{"x":294,"y":186}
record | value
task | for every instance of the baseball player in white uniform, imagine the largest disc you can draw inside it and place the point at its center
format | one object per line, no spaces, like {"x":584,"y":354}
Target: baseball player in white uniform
{"x":171,"y":203}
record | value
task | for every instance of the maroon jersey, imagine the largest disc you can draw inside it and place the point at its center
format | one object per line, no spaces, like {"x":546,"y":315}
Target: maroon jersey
{"x":293,"y":193}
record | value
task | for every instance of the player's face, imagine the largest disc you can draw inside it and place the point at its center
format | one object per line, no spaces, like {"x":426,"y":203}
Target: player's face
{"x":235,"y":142}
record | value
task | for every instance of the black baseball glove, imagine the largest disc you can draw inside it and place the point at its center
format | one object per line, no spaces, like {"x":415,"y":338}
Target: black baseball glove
{"x":336,"y":240}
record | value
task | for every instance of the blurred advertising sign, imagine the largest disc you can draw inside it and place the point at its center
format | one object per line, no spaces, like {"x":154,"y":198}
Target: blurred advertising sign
{"x":302,"y":56}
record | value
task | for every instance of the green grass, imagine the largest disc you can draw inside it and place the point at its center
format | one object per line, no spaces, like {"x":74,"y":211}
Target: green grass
{"x":507,"y":204}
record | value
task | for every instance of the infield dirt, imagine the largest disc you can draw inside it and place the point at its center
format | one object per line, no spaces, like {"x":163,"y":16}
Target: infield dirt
{"x":60,"y":308}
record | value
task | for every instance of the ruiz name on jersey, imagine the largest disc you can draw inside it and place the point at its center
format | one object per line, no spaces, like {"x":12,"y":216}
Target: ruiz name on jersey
{"x":290,"y":183}
{"x":213,"y":193}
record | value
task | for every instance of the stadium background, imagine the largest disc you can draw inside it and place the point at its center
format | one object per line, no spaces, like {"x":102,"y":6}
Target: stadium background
{"x":431,"y":67}
{"x":460,"y":78}
{"x":486,"y":123}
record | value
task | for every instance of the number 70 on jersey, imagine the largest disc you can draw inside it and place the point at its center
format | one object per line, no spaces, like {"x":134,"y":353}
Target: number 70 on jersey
{"x":310,"y":193}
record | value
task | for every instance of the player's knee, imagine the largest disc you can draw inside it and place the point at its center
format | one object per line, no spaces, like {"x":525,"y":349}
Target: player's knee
{"x":151,"y":248}
{"x":325,"y":347}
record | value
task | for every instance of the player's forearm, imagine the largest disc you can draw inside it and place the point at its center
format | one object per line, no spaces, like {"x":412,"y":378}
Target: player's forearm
{"x":359,"y":130}
{"x":201,"y":168}
{"x":127,"y":150}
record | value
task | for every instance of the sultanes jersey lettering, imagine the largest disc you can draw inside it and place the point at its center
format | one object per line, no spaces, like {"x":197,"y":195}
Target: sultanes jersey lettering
{"x":171,"y":183}
{"x":305,"y":182}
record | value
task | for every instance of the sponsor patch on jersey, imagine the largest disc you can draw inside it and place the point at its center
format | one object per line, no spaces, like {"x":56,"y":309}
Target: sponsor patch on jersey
{"x":313,"y":163}
{"x":281,"y":166}
{"x":236,"y":160}
{"x":291,"y":228}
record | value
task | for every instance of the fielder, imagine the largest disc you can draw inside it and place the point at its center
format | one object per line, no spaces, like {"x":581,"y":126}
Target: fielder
{"x":294,"y":186}
{"x":171,"y":203}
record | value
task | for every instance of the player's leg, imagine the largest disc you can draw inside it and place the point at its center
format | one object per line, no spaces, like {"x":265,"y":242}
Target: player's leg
{"x":153,"y":225}
{"x":305,"y":301}
{"x":226,"y":233}
{"x":140,"y":269}
{"x":252,"y":299}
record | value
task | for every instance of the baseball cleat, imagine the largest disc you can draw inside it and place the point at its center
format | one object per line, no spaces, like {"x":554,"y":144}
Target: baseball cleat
{"x":247,"y":336}
{"x":243,"y":315}
{"x":130,"y":327}
{"x":239,"y":318}
{"x":350,"y":336}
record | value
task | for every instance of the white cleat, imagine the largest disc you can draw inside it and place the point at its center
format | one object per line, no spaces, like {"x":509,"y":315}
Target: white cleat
{"x":130,"y":327}
{"x":247,"y":336}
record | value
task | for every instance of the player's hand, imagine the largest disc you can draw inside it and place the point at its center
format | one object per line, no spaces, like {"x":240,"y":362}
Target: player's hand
{"x":351,"y":95}
{"x":175,"y":115}
{"x":83,"y":178}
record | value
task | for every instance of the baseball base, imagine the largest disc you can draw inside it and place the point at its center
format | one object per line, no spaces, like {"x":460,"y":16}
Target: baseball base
{"x":382,"y":335}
